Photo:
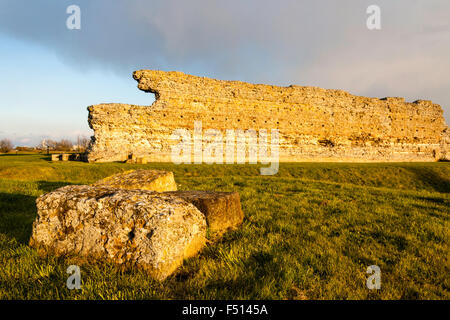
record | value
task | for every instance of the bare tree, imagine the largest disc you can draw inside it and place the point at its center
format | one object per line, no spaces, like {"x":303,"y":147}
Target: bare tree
{"x":5,"y":145}
{"x":51,"y":144}
{"x":46,"y":143}
{"x":83,"y":143}
{"x":64,"y":145}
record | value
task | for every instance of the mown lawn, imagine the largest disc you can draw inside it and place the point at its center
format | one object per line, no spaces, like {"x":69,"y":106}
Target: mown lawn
{"x":310,"y":232}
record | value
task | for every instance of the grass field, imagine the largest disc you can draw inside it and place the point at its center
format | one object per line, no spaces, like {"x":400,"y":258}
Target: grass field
{"x":310,"y":232}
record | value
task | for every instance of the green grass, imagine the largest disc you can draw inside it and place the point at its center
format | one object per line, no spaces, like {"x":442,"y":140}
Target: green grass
{"x":311,"y":231}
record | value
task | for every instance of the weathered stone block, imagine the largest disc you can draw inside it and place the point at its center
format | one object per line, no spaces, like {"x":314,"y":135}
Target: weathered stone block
{"x":56,"y":157}
{"x":153,"y":180}
{"x":151,"y":230}
{"x":221,"y":209}
{"x":65,"y":157}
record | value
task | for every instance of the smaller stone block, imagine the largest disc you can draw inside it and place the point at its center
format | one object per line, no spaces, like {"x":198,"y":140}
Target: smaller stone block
{"x":152,"y":180}
{"x":222,"y":209}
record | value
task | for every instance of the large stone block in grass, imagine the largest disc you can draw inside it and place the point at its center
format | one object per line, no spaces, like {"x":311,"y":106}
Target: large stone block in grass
{"x":221,"y":209}
{"x":152,"y":230}
{"x":153,"y":180}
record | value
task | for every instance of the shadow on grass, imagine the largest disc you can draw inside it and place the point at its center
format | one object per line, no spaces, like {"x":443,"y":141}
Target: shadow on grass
{"x":17,"y":213}
{"x":432,"y":179}
{"x":16,"y":154}
{"x":45,"y":157}
{"x":48,"y":186}
{"x":433,"y":199}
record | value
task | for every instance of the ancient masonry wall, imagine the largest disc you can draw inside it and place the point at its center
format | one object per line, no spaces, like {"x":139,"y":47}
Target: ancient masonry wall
{"x":314,"y":124}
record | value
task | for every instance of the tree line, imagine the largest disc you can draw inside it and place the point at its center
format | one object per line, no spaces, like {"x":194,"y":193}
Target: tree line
{"x":79,"y":145}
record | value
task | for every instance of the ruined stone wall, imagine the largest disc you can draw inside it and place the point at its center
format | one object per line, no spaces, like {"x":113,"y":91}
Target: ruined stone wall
{"x":314,"y":124}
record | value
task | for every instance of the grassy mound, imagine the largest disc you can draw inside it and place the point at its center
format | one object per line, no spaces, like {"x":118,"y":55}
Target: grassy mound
{"x":310,"y":232}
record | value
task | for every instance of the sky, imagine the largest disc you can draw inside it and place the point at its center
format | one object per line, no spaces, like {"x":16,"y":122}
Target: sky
{"x":50,"y":74}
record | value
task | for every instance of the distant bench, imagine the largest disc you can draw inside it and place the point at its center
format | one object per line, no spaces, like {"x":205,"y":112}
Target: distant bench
{"x":69,"y":157}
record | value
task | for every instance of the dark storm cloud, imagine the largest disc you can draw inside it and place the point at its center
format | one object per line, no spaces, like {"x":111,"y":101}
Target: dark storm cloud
{"x":322,"y":43}
{"x":231,"y":37}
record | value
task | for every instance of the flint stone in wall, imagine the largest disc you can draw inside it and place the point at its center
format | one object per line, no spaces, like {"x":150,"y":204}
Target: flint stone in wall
{"x":151,"y":230}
